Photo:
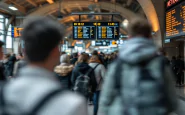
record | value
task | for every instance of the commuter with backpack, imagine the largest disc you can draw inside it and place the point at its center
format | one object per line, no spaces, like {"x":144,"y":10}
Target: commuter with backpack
{"x":139,"y":82}
{"x":99,"y":71}
{"x":83,"y":78}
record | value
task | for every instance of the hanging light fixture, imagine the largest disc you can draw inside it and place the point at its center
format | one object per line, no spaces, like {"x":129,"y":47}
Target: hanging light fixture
{"x":125,"y":23}
{"x":12,"y":7}
{"x":59,"y":11}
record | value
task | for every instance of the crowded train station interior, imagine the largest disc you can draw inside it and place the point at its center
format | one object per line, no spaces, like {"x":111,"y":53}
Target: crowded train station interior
{"x":92,"y":57}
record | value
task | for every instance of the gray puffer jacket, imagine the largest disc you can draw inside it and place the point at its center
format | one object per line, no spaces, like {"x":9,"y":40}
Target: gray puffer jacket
{"x":136,"y":50}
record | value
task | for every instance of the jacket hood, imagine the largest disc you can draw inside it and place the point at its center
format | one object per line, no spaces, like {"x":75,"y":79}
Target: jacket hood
{"x":137,"y":50}
{"x":63,"y":69}
{"x":82,"y":67}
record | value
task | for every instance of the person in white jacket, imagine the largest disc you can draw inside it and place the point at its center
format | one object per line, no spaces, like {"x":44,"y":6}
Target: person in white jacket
{"x":99,"y":71}
{"x":35,"y":81}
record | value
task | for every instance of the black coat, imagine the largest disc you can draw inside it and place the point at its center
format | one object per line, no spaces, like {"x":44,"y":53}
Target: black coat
{"x":83,"y":68}
{"x":65,"y":81}
{"x":2,"y":76}
{"x":73,"y":61}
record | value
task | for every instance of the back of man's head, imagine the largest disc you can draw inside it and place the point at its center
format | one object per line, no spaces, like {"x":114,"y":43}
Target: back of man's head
{"x":41,"y":36}
{"x":139,"y":27}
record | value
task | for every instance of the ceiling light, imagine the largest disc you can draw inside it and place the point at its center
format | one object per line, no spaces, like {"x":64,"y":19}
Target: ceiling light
{"x":12,"y":8}
{"x":50,"y":1}
{"x":125,"y":23}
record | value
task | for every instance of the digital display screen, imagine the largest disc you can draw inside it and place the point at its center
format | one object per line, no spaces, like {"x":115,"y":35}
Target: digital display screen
{"x":175,"y":21}
{"x":96,"y":30}
{"x":108,"y":30}
{"x":84,"y":30}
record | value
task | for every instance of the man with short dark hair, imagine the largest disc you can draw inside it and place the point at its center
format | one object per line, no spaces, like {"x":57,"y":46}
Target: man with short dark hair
{"x":139,"y":81}
{"x":37,"y":81}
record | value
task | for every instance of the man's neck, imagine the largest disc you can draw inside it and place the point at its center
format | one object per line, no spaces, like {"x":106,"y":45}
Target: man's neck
{"x":41,"y":65}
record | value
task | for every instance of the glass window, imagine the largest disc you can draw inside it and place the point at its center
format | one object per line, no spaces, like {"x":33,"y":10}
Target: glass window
{"x":9,"y":37}
{"x":1,"y":18}
{"x":6,"y":21}
{"x":1,"y":30}
{"x":8,"y":42}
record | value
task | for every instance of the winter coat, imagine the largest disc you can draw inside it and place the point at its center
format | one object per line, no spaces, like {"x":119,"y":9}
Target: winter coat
{"x":99,"y":72}
{"x":82,"y":68}
{"x":135,"y":51}
{"x":64,"y":72}
{"x":2,"y":76}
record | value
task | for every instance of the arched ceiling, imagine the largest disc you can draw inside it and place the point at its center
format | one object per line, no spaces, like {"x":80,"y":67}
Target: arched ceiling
{"x":82,"y":6}
{"x":128,"y":9}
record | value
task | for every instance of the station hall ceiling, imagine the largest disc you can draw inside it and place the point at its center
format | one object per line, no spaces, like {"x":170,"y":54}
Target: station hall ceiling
{"x":30,"y":7}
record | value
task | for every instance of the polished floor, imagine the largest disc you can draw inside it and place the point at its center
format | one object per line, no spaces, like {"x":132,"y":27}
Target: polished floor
{"x":181,"y":100}
{"x":181,"y":94}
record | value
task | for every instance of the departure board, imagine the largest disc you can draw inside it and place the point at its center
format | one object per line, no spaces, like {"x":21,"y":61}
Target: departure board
{"x":175,"y":21}
{"x":84,"y":31}
{"x":108,"y":30}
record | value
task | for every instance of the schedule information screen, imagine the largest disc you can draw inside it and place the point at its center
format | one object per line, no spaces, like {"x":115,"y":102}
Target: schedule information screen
{"x":84,"y":30}
{"x":175,"y":21}
{"x":108,"y":30}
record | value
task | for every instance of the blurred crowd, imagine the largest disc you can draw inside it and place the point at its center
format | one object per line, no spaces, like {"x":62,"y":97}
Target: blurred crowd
{"x":136,"y":80}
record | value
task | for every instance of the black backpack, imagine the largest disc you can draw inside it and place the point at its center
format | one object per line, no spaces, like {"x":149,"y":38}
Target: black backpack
{"x":82,"y":83}
{"x":35,"y":110}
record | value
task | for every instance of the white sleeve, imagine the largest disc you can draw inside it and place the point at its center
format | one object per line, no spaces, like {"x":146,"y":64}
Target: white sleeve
{"x":103,"y":70}
{"x":66,"y":104}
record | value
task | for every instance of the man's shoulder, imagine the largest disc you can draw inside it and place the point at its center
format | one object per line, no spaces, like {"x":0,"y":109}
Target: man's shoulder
{"x":26,"y":95}
{"x":65,"y":103}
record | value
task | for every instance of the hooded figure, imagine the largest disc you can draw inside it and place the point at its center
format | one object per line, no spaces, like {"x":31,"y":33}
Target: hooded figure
{"x":82,"y":67}
{"x":64,"y":71}
{"x":137,"y":64}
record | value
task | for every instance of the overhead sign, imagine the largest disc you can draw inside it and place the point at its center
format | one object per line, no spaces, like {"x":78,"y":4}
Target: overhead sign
{"x":171,"y":2}
{"x":93,"y":30}
{"x":102,"y":43}
{"x":108,"y":30}
{"x":16,"y":32}
{"x":167,"y":41}
{"x":175,"y":21}
{"x":84,"y":30}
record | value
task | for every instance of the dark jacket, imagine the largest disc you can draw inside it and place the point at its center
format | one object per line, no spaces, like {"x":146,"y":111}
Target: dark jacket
{"x":180,"y":65}
{"x":83,"y":68}
{"x":73,"y":61}
{"x":64,"y":72}
{"x":2,"y":76}
{"x":9,"y":66}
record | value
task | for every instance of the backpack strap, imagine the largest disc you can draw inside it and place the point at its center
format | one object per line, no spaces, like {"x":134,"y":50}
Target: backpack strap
{"x":44,"y":101}
{"x":90,"y":70}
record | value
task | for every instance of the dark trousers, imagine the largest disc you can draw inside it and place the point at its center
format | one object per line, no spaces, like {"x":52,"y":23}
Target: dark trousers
{"x":180,"y":78}
{"x":96,"y":101}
